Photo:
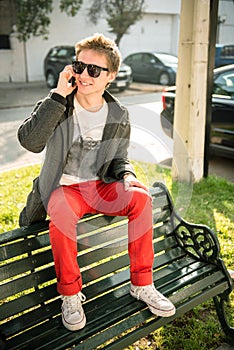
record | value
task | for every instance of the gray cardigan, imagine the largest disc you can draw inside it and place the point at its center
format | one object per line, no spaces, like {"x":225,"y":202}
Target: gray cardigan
{"x":50,"y":126}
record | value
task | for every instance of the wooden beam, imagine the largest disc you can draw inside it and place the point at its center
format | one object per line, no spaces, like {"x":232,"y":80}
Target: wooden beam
{"x":191,"y":91}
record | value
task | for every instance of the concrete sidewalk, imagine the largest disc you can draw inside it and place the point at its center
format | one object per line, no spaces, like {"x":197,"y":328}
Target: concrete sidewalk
{"x":13,"y":95}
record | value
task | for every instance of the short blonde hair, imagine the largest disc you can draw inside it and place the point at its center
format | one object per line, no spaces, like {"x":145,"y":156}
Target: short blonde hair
{"x":103,"y":45}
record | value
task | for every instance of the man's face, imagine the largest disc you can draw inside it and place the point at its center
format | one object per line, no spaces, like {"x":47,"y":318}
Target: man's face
{"x":88,"y":84}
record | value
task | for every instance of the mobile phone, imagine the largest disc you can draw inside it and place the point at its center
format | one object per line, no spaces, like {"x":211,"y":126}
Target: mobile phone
{"x":72,"y":81}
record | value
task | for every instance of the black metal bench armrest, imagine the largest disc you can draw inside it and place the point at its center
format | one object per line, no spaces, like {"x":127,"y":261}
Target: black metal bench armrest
{"x":197,"y":240}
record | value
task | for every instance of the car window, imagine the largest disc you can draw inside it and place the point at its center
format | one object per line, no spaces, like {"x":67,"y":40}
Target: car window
{"x":224,"y":84}
{"x":136,"y":58}
{"x":148,"y":58}
{"x":167,"y":59}
{"x":227,"y":51}
{"x":53,"y":52}
{"x":62,"y":53}
{"x":71,"y":51}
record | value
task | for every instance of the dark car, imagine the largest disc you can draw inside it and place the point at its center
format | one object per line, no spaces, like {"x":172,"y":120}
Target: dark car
{"x":224,"y":54}
{"x":59,"y":56}
{"x":56,"y":59}
{"x":222,"y":119}
{"x":123,"y":78}
{"x":153,"y":67}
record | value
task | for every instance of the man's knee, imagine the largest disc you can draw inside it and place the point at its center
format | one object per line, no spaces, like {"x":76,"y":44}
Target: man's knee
{"x":56,"y":202}
{"x":141,"y":199}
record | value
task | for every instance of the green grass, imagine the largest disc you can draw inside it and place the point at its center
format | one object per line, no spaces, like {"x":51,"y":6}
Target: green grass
{"x":209,"y":202}
{"x":14,"y":187}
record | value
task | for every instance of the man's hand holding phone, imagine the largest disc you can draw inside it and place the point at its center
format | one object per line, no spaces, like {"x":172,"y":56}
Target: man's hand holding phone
{"x":67,"y":82}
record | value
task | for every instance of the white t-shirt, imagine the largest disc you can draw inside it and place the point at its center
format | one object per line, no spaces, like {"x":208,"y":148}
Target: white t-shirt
{"x":89,"y":124}
{"x":88,"y":130}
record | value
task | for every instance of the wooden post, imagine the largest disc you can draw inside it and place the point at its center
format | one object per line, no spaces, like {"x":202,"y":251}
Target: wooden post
{"x":211,"y":59}
{"x":191,"y":91}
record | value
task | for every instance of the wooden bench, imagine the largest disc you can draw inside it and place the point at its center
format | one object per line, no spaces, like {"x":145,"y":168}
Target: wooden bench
{"x":187,"y":268}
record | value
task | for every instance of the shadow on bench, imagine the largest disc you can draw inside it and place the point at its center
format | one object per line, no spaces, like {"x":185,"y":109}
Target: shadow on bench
{"x":187,"y":268}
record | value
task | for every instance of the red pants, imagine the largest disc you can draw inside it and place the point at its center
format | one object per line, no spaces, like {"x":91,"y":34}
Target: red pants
{"x":68,"y":204}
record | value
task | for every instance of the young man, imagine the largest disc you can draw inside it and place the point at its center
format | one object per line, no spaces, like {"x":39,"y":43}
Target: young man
{"x":86,"y":133}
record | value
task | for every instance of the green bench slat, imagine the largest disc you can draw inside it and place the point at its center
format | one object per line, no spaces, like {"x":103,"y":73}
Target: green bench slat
{"x":29,"y":263}
{"x":188,"y":294}
{"x":24,"y":246}
{"x":130,"y":307}
{"x":120,"y":328}
{"x":20,"y":233}
{"x":32,"y":280}
{"x":104,"y":286}
{"x":101,"y":290}
{"x":148,"y":327}
{"x":49,"y":292}
{"x":45,"y":257}
{"x":28,"y":301}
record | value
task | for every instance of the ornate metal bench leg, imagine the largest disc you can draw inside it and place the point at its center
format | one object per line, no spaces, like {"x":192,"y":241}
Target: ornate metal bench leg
{"x":2,"y":341}
{"x":220,"y":309}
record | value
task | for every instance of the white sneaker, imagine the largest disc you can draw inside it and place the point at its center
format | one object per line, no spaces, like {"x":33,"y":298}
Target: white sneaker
{"x":158,"y":304}
{"x":73,"y":315}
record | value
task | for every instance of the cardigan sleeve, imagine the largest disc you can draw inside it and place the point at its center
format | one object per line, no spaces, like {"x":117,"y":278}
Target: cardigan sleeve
{"x":35,"y":131}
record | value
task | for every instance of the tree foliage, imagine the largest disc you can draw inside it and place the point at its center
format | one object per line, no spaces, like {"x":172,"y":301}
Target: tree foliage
{"x":33,"y":16}
{"x":119,"y":14}
{"x":71,"y":7}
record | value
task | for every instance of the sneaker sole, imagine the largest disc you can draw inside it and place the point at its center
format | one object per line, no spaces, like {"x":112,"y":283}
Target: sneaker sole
{"x":157,"y":312}
{"x":162,"y":313}
{"x":76,"y":326}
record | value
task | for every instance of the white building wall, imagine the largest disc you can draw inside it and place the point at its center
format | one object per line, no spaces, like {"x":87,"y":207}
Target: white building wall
{"x":158,"y":30}
{"x":159,"y":18}
{"x":63,"y":30}
{"x":163,"y":6}
{"x":5,"y":62}
{"x":155,"y":32}
{"x":226,"y":29}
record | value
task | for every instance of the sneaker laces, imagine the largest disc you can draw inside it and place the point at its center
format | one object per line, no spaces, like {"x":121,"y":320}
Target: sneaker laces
{"x":150,"y":291}
{"x":73,"y":302}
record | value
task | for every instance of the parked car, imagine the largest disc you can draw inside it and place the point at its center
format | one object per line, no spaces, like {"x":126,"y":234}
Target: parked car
{"x":59,"y":56}
{"x":153,"y":67}
{"x":56,"y":59}
{"x":224,"y":54}
{"x":123,"y":78}
{"x":222,"y":119}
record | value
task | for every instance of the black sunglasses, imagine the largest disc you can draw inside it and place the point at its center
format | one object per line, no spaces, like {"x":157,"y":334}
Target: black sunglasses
{"x":93,"y":70}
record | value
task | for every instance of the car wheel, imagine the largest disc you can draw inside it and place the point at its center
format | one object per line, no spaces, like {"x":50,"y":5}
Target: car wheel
{"x":164,"y":79}
{"x":50,"y":79}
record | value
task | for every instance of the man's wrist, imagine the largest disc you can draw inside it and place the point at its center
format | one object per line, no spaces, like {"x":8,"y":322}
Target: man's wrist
{"x":58,"y":97}
{"x":125,"y":174}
